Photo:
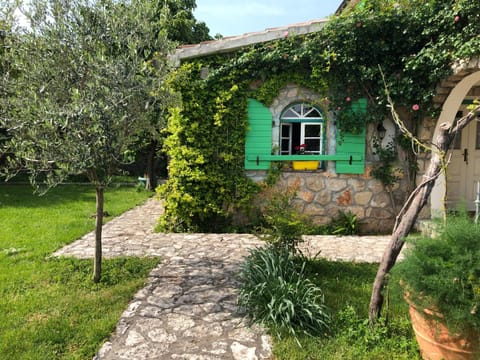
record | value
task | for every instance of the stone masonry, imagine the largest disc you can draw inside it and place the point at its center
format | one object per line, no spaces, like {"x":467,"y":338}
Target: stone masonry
{"x":322,"y":195}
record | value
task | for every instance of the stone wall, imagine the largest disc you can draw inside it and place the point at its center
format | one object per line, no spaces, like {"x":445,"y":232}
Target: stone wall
{"x":323,"y":194}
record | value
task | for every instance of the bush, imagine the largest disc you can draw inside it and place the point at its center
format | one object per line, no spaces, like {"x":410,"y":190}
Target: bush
{"x":276,"y":294}
{"x":283,"y":225}
{"x":345,"y":223}
{"x":443,"y":273}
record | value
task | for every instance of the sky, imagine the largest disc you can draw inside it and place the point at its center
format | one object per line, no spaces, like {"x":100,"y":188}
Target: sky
{"x":236,"y":17}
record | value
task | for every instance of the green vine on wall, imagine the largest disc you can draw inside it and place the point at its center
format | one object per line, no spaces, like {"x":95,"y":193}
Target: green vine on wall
{"x":384,"y":170}
{"x":415,"y":42}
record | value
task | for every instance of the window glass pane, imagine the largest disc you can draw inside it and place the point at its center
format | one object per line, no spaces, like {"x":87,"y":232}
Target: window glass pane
{"x":285,"y":146}
{"x":313,"y":145}
{"x":306,"y":109}
{"x":313,"y":113}
{"x":298,"y":109}
{"x":285,"y":131}
{"x":290,"y":114}
{"x":312,"y":130}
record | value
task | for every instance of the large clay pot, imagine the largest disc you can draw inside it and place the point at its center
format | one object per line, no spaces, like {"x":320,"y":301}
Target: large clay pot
{"x":436,"y":342}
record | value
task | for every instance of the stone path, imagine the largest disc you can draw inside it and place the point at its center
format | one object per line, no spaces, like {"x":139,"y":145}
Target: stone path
{"x":188,"y":308}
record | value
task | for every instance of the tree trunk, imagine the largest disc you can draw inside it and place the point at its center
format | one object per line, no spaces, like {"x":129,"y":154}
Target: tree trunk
{"x":150,"y":175}
{"x":408,"y":215}
{"x":97,"y":265}
{"x":404,"y":225}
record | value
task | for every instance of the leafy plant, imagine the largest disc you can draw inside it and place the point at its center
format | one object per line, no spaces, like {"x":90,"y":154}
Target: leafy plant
{"x":351,"y":338}
{"x":283,"y":224}
{"x":443,"y":273}
{"x":384,"y":169}
{"x":345,"y":223}
{"x":276,"y":293}
{"x":274,"y":172}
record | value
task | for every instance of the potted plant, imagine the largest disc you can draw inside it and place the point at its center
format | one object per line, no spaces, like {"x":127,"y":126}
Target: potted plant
{"x":304,"y":164}
{"x":441,"y":278}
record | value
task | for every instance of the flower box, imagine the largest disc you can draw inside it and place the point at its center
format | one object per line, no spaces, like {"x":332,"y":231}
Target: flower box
{"x":305,"y":165}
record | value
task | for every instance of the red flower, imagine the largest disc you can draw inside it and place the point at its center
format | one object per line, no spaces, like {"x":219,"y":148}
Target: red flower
{"x":415,"y":107}
{"x":300,"y":148}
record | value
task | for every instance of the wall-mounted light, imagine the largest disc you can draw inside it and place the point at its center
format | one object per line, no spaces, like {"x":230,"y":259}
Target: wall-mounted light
{"x":381,"y":131}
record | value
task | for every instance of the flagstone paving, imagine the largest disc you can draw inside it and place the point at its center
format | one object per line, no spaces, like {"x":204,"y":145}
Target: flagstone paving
{"x":188,"y":308}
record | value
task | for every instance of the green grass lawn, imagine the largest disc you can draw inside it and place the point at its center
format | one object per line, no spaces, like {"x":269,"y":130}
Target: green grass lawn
{"x":347,"y":287}
{"x":49,"y":307}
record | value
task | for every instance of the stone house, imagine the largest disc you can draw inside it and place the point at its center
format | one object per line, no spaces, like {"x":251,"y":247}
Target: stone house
{"x":341,"y":180}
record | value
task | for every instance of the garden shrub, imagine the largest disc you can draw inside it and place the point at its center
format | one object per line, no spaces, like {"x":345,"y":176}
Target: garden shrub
{"x":282,"y":223}
{"x":443,"y":272}
{"x":346,"y":223}
{"x":276,"y":293}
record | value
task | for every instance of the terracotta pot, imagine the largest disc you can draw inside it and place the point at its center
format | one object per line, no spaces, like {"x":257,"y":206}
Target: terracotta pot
{"x":305,"y":165}
{"x":436,"y":342}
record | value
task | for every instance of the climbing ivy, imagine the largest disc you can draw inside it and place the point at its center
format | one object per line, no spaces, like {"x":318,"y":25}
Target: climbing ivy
{"x":205,"y":142}
{"x":413,"y":42}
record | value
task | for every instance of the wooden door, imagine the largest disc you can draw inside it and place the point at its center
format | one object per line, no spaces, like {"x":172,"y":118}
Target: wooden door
{"x":463,"y":171}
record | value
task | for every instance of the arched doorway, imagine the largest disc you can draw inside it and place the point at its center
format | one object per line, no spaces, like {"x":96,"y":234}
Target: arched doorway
{"x":464,"y":169}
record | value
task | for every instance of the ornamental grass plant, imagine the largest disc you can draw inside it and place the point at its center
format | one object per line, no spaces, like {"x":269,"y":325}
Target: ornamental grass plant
{"x":276,"y":293}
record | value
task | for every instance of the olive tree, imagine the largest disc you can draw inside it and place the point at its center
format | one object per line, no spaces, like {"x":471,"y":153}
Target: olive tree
{"x":84,"y":90}
{"x":6,"y":24}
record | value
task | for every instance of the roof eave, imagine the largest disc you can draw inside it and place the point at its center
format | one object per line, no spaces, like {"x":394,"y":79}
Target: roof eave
{"x":237,"y":42}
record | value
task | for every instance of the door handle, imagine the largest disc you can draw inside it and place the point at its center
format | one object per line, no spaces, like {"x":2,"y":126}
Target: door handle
{"x":465,"y":155}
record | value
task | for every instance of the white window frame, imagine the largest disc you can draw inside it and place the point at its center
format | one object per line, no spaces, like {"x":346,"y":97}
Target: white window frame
{"x":289,"y":138}
{"x":303,"y":138}
{"x":304,"y":120}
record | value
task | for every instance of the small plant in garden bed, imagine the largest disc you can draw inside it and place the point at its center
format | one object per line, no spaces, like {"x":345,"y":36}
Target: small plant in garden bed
{"x":346,"y":223}
{"x":283,"y":225}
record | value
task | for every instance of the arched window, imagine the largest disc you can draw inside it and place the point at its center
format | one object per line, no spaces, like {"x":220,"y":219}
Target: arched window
{"x":301,"y":130}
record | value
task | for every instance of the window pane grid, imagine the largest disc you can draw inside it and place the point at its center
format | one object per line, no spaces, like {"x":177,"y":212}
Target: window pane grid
{"x":301,"y":124}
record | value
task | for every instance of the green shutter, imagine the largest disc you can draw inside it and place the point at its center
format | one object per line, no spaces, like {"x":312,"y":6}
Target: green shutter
{"x":259,"y":136}
{"x":352,"y":145}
